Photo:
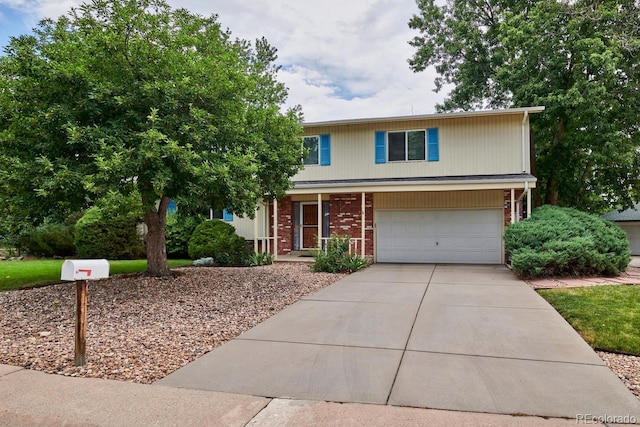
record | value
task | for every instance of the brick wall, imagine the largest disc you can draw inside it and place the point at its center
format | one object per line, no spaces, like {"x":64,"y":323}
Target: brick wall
{"x":285,"y":225}
{"x":345,"y":217}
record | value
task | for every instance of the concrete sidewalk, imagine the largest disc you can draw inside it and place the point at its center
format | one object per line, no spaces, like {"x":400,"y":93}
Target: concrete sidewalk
{"x":31,"y":398}
{"x":461,"y":338}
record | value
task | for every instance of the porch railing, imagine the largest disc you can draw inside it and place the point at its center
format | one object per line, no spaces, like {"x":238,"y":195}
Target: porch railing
{"x":355,"y":245}
{"x":265,"y":244}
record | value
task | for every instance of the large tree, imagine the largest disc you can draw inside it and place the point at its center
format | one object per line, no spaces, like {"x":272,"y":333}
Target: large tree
{"x":134,"y":96}
{"x":580,"y":59}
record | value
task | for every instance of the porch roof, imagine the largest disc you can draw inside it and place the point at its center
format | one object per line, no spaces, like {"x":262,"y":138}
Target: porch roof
{"x":433,"y":183}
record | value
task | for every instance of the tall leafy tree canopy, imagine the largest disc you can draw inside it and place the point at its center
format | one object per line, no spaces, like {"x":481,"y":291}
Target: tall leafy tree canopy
{"x":580,"y":59}
{"x":134,"y":96}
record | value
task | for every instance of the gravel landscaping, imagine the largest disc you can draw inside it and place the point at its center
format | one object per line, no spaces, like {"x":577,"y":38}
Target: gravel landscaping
{"x":141,"y":329}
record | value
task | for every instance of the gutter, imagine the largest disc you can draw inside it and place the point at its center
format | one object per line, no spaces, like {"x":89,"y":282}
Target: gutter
{"x":524,"y":158}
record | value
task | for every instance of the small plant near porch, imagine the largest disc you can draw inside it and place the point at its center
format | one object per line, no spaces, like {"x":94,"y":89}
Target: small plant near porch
{"x":335,"y":258}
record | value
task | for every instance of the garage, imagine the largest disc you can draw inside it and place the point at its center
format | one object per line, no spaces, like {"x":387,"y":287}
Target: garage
{"x":439,"y":236}
{"x":629,"y":221}
{"x":633,"y":234}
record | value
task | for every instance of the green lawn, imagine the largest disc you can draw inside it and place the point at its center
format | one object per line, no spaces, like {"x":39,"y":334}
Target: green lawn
{"x":607,"y":317}
{"x":20,"y":274}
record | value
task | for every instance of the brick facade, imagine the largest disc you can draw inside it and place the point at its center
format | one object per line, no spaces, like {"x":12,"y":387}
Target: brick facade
{"x":345,"y":217}
{"x":285,"y":225}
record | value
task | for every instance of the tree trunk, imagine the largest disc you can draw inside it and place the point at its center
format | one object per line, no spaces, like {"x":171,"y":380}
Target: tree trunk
{"x":552,"y":191}
{"x":537,"y":199}
{"x":156,"y":221}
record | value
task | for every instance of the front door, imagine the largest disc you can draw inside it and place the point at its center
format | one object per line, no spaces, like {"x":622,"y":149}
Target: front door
{"x":309,"y":226}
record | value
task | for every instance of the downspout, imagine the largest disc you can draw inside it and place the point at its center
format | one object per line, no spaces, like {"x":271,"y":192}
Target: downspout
{"x":525,"y":192}
{"x":524,"y":157}
{"x":528,"y":190}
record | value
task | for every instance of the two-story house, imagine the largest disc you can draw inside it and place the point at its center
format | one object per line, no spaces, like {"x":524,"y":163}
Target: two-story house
{"x":431,"y":188}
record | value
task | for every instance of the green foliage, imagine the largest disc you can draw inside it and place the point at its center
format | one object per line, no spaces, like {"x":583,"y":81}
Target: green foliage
{"x":218,"y":240}
{"x":261,"y":258}
{"x":36,"y":272}
{"x":10,"y":230}
{"x":580,"y":59}
{"x":48,"y":240}
{"x":336,"y":258}
{"x":178,"y":232}
{"x":607,"y":317}
{"x":110,"y":229}
{"x":562,"y":241}
{"x":204,"y":262}
{"x":134,"y":96}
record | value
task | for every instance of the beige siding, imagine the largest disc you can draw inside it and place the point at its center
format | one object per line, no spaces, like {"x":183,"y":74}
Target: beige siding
{"x":468,"y":146}
{"x":439,"y":200}
{"x":245,"y":228}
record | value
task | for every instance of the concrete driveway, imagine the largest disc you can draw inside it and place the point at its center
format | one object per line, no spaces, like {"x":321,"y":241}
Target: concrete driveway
{"x":464,"y":338}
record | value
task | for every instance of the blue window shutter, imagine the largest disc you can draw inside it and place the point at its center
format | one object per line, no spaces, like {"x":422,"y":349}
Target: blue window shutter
{"x":325,"y":149}
{"x":227,"y":216}
{"x":433,"y":145}
{"x":381,"y":147}
{"x":172,"y":207}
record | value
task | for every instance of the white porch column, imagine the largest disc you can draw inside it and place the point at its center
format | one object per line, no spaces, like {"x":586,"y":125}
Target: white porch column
{"x":319,"y":244}
{"x":255,"y":230}
{"x":528,"y":202}
{"x":275,"y":229}
{"x":513,"y":205}
{"x":363,"y":214}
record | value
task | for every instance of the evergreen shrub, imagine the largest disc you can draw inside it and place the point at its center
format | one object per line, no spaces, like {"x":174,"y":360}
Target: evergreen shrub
{"x":110,"y":229}
{"x":559,"y":241}
{"x":218,"y":240}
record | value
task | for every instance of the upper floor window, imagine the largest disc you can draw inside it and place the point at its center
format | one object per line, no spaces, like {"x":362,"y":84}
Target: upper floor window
{"x":408,"y":145}
{"x":312,"y":145}
{"x":402,"y":146}
{"x":318,"y":149}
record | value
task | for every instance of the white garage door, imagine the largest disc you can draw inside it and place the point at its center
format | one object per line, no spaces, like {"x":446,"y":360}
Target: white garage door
{"x":473,"y":236}
{"x":633,"y":234}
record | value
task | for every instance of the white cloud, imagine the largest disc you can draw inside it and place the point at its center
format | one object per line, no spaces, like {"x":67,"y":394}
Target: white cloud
{"x":341,"y":59}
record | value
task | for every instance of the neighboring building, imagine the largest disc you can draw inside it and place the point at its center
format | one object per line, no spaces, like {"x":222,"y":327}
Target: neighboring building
{"x":432,"y":188}
{"x":629,"y":221}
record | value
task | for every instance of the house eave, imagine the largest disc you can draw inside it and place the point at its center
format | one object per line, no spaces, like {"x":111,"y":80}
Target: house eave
{"x":439,"y":116}
{"x":375,"y":185}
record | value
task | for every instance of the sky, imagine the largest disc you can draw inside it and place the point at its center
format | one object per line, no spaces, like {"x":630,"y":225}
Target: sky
{"x":341,"y":59}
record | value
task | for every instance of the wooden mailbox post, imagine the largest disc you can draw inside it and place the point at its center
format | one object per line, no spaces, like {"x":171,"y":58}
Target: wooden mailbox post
{"x":79,"y":271}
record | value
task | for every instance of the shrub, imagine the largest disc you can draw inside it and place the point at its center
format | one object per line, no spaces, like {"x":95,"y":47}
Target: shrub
{"x":48,"y":240}
{"x":180,"y":227}
{"x":261,"y":258}
{"x":562,"y":241}
{"x":218,"y":240}
{"x":336,"y":257}
{"x":204,"y":262}
{"x":110,"y":229}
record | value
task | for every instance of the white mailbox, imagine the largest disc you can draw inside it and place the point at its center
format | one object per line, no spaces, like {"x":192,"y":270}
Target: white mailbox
{"x":85,"y":269}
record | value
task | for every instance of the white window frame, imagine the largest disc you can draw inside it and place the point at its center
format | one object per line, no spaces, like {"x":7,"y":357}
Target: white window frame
{"x":406,"y":145}
{"x":317,"y":137}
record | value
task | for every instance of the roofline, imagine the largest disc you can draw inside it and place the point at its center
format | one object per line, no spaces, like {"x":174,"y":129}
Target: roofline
{"x":472,"y":179}
{"x":455,"y":115}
